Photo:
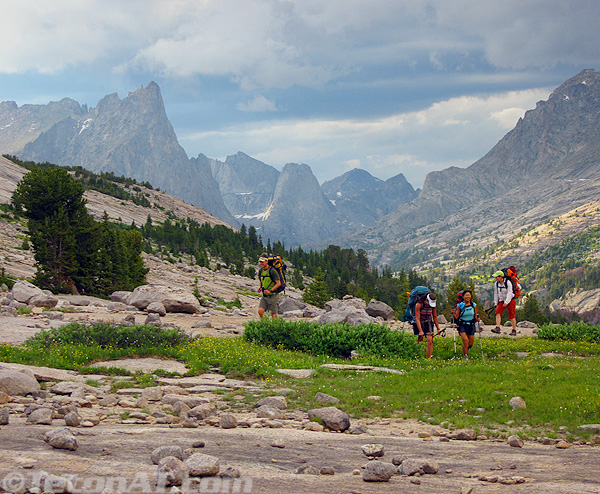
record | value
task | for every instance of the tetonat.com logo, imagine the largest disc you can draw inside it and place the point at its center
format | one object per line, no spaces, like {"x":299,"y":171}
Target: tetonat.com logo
{"x":17,"y":482}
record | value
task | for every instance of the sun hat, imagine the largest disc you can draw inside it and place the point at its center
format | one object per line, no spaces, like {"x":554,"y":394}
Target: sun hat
{"x":498,"y":273}
{"x":431,"y":301}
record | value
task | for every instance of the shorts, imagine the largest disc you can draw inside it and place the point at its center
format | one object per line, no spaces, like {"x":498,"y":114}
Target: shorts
{"x":511,"y":308}
{"x":470,"y":328}
{"x":426,"y":325}
{"x":270,"y":303}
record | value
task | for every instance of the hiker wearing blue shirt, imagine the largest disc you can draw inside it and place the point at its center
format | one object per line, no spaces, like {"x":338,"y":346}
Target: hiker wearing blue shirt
{"x":466,"y":317}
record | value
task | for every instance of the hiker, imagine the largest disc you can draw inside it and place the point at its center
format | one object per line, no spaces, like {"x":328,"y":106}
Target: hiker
{"x":269,"y":283}
{"x":504,"y":298}
{"x":425,"y":318}
{"x":467,"y":317}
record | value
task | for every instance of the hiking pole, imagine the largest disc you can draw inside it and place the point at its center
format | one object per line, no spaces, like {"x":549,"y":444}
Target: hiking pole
{"x":480,"y":342}
{"x":453,"y":324}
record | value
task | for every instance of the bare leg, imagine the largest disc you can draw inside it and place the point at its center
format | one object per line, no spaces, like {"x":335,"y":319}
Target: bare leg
{"x":465,"y":343}
{"x":429,"y":344}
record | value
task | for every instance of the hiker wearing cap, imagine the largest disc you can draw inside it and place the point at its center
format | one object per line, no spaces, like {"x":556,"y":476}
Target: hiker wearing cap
{"x":269,"y":283}
{"x":467,"y":317}
{"x":425,"y":318}
{"x":504,"y":298}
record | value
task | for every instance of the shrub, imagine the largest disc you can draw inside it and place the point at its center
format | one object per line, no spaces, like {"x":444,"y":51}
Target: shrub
{"x":334,"y":340}
{"x":108,"y":336}
{"x":576,"y":331}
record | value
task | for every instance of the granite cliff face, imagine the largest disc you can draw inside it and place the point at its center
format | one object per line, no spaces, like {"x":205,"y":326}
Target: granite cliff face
{"x":20,"y":125}
{"x":131,"y":137}
{"x":547,"y":165}
{"x":247,"y":185}
{"x":362,"y":199}
{"x":299,"y":213}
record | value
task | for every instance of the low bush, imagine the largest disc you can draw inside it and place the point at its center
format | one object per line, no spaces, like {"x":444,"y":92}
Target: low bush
{"x":334,"y":340}
{"x":577,"y":331}
{"x":108,"y":336}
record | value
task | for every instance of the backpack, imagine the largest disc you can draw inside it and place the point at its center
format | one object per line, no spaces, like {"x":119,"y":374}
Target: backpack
{"x":460,"y":297}
{"x":510,"y":274}
{"x":278,"y":265}
{"x":414,"y":296}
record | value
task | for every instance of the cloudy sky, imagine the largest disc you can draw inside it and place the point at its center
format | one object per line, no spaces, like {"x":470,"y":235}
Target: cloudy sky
{"x":390,"y":86}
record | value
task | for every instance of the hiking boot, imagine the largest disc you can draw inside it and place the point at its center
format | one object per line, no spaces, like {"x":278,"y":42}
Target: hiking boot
{"x":496,"y":330}
{"x":465,"y":357}
{"x":513,"y":332}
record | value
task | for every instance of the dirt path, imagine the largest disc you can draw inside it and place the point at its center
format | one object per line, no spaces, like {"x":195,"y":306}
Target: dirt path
{"x":114,"y":451}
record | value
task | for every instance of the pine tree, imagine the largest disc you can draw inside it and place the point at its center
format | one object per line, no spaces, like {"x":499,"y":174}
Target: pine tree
{"x":316,"y":294}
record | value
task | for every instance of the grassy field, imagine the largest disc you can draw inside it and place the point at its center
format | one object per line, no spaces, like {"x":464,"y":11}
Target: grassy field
{"x":559,"y":380}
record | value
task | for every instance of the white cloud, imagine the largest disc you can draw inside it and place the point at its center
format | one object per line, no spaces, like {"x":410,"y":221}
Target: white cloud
{"x":258,"y":104}
{"x":276,"y":43}
{"x":412,"y":143}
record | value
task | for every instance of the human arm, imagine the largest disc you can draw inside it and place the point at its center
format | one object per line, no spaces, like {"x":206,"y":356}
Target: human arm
{"x":418,"y":318}
{"x":435,"y":319}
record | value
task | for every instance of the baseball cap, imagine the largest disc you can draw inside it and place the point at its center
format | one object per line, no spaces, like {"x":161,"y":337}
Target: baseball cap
{"x":498,"y":273}
{"x":263,"y":259}
{"x":431,"y":301}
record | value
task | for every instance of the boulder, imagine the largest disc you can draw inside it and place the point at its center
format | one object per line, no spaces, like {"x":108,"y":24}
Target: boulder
{"x":61,"y":438}
{"x":23,"y":291}
{"x":42,"y":416}
{"x":43,"y":300}
{"x":289,"y":304}
{"x":202,"y":412}
{"x":164,"y":452}
{"x":273,"y":401}
{"x":517,"y":402}
{"x":325,"y":399}
{"x":174,"y":299}
{"x":156,"y":308}
{"x":4,"y":416}
{"x":379,"y":471}
{"x":172,"y":471}
{"x":201,"y":465}
{"x":331,"y":417}
{"x":373,"y":450}
{"x":17,"y":383}
{"x":380,"y":309}
{"x":120,"y":296}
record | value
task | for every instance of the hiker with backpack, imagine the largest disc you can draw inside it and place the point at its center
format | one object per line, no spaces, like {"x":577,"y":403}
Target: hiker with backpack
{"x":425,"y":318}
{"x":504,"y":298}
{"x":270,"y":284}
{"x":467,"y":317}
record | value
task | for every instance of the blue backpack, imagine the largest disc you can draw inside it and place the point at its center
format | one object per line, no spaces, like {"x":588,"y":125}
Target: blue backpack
{"x":415,"y":294}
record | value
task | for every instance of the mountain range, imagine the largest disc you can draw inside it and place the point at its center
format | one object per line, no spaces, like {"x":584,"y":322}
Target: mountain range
{"x":546,"y":166}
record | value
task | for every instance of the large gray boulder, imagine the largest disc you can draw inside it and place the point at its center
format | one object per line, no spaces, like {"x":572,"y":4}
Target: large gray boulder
{"x":174,"y":299}
{"x":331,"y":417}
{"x":289,"y":304}
{"x":17,"y":383}
{"x":379,"y":471}
{"x":23,"y":291}
{"x":380,"y":309}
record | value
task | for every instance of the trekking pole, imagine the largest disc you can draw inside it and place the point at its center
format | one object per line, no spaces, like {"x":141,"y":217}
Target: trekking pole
{"x":480,"y":341}
{"x":454,"y":334}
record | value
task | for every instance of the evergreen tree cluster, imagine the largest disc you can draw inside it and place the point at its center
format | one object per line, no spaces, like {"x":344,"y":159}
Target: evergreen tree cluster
{"x":105,"y":182}
{"x":73,"y":252}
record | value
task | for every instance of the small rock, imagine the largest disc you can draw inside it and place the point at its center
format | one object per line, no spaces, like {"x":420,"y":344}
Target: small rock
{"x":373,"y":450}
{"x":327,"y":471}
{"x":515,"y":441}
{"x":307,"y":470}
{"x":278,"y":443}
{"x":562,"y":445}
{"x":517,"y":402}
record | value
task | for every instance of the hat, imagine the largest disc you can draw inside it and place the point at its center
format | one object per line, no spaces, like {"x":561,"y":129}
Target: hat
{"x":263,"y":259}
{"x":498,"y":273}
{"x":431,"y":301}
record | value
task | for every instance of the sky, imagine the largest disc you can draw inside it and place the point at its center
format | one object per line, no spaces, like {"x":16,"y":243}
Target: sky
{"x":389,"y":86}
